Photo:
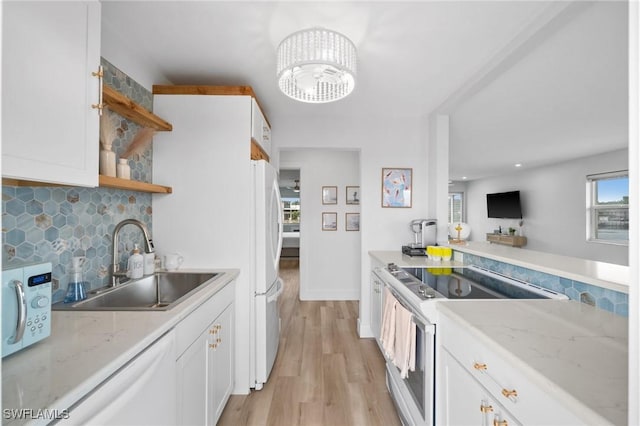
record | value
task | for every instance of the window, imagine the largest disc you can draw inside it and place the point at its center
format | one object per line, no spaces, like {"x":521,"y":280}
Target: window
{"x":456,"y":207}
{"x":291,"y":208}
{"x":608,"y":207}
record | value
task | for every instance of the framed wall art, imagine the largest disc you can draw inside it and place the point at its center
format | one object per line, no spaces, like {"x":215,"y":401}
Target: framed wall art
{"x":352,"y":221}
{"x":329,"y":221}
{"x":329,"y":195}
{"x":396,"y":187}
{"x":353,"y":194}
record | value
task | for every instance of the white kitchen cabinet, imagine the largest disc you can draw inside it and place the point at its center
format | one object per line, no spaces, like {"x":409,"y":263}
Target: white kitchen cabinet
{"x":140,"y":393}
{"x":471,"y":371}
{"x":467,"y":402}
{"x":205,"y":370}
{"x":49,"y":129}
{"x":377,"y":292}
{"x":260,"y":128}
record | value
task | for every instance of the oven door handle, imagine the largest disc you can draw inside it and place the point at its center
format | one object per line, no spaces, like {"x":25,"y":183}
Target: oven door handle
{"x":421,"y":322}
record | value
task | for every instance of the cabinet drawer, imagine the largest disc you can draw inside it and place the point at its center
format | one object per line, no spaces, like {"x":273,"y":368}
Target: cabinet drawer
{"x":529,"y":402}
{"x":188,"y":330}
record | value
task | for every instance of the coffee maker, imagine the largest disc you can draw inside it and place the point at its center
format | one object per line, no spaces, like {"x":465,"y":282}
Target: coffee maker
{"x":424,"y":234}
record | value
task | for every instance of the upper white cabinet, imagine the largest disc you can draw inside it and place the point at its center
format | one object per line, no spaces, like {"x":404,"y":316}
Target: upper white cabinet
{"x":260,"y":128}
{"x":49,"y":128}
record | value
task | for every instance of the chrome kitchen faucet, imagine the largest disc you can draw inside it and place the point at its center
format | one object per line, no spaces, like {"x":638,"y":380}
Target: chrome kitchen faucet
{"x":148,"y":247}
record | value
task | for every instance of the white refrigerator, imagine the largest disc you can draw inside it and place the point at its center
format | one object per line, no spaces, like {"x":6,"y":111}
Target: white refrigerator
{"x":266,"y":285}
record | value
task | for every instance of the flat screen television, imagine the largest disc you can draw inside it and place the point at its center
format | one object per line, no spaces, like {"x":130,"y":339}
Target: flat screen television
{"x":504,"y":205}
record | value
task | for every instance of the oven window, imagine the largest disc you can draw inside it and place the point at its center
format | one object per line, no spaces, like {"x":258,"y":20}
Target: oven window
{"x":416,"y":379}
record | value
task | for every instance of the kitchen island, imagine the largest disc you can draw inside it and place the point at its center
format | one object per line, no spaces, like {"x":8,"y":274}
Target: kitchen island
{"x":84,"y":350}
{"x":576,"y":355}
{"x":567,"y":360}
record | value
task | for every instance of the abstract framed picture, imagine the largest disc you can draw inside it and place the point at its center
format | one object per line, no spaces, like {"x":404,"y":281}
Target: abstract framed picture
{"x":329,"y":221}
{"x":353,"y":194}
{"x":329,"y":195}
{"x":397,"y":186}
{"x":352,"y":221}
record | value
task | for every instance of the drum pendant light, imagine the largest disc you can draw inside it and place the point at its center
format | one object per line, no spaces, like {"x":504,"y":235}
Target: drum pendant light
{"x":316,"y":65}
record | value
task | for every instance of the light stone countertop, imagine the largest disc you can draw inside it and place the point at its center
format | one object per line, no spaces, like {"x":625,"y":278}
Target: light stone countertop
{"x":576,"y":353}
{"x":85,"y":348}
{"x":601,"y":274}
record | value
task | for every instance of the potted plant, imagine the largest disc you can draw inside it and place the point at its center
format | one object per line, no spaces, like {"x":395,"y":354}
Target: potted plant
{"x":512,"y":231}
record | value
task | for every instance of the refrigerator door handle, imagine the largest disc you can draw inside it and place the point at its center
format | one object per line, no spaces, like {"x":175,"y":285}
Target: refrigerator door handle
{"x":280,"y":223}
{"x":279,"y":290}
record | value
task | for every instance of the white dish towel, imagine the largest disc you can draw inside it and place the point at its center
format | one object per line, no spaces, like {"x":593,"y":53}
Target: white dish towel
{"x":405,"y":341}
{"x":388,"y":327}
{"x":398,"y":334}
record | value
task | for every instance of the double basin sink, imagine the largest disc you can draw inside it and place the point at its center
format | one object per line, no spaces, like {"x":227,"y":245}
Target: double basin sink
{"x":158,"y":292}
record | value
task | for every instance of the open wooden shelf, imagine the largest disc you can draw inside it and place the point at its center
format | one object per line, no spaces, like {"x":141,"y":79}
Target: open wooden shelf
{"x":127,"y":108}
{"x":103,"y":182}
{"x":133,"y":185}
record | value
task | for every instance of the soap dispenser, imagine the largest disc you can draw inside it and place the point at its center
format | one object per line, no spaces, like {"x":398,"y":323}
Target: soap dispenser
{"x":76,"y":290}
{"x":135,"y":265}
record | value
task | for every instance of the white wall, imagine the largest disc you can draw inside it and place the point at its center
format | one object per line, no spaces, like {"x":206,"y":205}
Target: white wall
{"x":554,"y":207}
{"x":322,"y":253}
{"x":389,"y":142}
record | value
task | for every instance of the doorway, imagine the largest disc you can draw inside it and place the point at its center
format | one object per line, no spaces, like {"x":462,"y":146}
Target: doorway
{"x":289,"y":183}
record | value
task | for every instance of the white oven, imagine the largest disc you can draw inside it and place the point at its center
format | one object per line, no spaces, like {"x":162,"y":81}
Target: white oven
{"x":414,"y":394}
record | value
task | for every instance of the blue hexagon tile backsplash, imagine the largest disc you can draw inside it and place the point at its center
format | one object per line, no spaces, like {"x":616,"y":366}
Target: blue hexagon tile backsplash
{"x":54,"y":224}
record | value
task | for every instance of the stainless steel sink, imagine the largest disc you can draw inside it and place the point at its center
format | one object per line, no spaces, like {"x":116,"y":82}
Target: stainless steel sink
{"x":157,"y":292}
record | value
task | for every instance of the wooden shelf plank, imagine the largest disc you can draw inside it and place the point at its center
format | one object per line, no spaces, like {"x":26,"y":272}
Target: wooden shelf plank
{"x":203,"y":90}
{"x":133,"y":185}
{"x":104,"y":182}
{"x":124,"y":106}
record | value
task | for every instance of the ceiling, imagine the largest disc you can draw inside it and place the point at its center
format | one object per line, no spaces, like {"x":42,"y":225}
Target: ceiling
{"x":414,"y":58}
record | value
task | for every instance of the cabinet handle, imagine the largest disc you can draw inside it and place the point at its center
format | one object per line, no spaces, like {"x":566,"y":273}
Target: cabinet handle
{"x":218,"y":340}
{"x":512,"y":395}
{"x":479,"y":366}
{"x":100,"y":74}
{"x":486,"y":408}
{"x":498,"y":422}
{"x":213,"y":345}
{"x":213,"y":331}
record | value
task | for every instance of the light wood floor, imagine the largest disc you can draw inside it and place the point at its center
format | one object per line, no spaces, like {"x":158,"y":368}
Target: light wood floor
{"x":324,"y":373}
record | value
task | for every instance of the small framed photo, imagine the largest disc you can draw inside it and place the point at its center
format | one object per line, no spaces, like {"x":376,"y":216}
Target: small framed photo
{"x":329,"y":195}
{"x":397,"y":186}
{"x":329,"y":221}
{"x":352,"y":221}
{"x":353,"y":195}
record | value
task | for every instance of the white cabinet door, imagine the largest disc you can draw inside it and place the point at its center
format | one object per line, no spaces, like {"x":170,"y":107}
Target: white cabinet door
{"x":260,"y":130}
{"x":223,"y":362}
{"x":49,"y":129}
{"x":205,"y":373}
{"x":466,"y":401}
{"x":376,"y":305}
{"x":193,"y":381}
{"x":138,"y":394}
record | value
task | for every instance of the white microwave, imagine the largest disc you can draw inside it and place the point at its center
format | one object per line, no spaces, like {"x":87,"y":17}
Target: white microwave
{"x":26,"y":306}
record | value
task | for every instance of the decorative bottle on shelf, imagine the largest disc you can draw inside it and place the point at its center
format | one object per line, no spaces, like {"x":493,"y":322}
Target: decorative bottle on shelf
{"x":123,"y":170}
{"x":107,"y":160}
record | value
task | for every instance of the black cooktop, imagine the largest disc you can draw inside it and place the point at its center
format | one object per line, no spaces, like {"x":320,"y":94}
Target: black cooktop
{"x":464,"y":283}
